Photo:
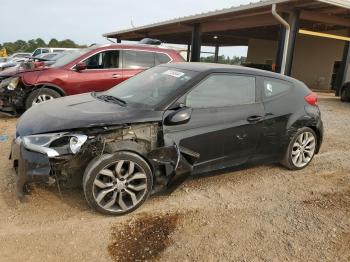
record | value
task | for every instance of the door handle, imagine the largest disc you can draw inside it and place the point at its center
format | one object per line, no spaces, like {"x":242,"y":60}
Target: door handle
{"x":115,"y":76}
{"x":253,"y":119}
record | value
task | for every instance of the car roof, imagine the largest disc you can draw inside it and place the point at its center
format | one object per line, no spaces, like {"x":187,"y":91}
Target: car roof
{"x":132,"y":46}
{"x":213,"y":67}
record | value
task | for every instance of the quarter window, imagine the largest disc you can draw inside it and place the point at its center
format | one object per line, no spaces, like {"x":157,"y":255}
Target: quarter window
{"x":137,"y":59}
{"x":274,"y":87}
{"x":222,"y":91}
{"x":103,"y":60}
{"x":162,"y":58}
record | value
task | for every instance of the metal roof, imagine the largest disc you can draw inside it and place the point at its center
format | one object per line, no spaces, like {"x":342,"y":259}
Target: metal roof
{"x":340,"y":3}
{"x":189,"y":18}
{"x":202,"y":16}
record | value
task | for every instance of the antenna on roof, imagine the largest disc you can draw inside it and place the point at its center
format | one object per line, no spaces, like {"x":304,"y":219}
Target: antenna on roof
{"x":132,"y":23}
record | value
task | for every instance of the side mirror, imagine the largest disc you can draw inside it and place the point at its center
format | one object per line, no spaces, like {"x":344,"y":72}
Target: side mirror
{"x":80,"y":66}
{"x":179,"y":117}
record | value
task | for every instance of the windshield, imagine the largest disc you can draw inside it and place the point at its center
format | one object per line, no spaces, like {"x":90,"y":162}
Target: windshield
{"x":69,"y":56}
{"x":152,"y":86}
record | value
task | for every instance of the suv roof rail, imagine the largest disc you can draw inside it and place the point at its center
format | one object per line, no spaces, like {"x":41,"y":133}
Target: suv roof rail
{"x":161,"y":45}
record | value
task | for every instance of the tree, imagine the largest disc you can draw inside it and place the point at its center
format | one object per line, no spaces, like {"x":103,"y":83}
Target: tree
{"x":54,"y":43}
{"x":67,"y":43}
{"x":40,"y":42}
{"x":225,"y":60}
{"x":31,"y":45}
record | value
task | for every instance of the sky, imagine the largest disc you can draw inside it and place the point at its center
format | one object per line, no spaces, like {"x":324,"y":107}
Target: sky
{"x":84,"y":21}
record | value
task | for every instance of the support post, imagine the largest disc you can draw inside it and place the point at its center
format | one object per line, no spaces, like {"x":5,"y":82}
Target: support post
{"x":216,"y":56}
{"x":196,"y":43}
{"x":294,"y":29}
{"x":341,"y":76}
{"x":280,"y":47}
{"x":119,"y":40}
{"x":188,"y":52}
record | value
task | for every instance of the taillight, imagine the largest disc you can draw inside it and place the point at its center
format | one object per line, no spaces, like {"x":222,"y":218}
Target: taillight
{"x":311,"y":99}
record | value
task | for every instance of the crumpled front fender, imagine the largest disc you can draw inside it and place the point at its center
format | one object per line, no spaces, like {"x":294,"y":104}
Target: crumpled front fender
{"x":178,"y":161}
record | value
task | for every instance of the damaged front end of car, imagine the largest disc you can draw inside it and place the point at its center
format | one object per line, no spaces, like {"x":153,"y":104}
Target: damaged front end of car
{"x":12,"y":95}
{"x":34,"y":156}
{"x":61,"y":158}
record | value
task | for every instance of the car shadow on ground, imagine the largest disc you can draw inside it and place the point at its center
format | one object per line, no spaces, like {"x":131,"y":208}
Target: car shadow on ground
{"x":74,"y":197}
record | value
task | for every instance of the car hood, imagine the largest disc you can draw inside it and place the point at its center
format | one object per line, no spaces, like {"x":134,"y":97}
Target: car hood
{"x":80,"y":111}
{"x":11,"y":71}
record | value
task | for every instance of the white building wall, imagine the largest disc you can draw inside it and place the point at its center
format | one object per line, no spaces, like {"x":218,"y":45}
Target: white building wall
{"x":314,"y":58}
{"x":261,"y":50}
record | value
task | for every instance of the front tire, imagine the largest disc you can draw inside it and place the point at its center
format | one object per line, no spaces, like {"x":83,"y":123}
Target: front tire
{"x":117,"y":184}
{"x":40,"y":95}
{"x":301,"y":149}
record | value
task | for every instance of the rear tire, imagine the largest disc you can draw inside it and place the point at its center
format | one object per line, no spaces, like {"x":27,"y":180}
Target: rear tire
{"x":301,"y":149}
{"x":40,"y":95}
{"x":345,"y":94}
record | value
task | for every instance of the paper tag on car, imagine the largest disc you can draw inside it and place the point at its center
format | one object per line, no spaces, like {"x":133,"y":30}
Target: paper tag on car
{"x":174,"y":73}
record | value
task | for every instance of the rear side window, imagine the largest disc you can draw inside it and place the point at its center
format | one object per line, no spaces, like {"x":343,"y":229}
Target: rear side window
{"x":273,"y":87}
{"x":161,"y":58}
{"x":138,"y":59}
{"x":222,"y":90}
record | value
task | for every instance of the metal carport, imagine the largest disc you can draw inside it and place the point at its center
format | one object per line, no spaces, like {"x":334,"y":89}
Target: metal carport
{"x":236,"y":25}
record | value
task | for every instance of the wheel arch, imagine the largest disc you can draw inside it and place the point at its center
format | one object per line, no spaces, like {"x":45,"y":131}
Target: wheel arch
{"x":295,"y":125}
{"x":52,"y":87}
{"x":137,"y":148}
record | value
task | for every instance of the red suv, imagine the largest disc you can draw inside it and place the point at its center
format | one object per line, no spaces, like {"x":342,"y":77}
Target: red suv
{"x":96,"y":68}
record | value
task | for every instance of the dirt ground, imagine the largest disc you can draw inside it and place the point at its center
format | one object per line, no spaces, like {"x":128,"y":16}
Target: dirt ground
{"x":263,"y":213}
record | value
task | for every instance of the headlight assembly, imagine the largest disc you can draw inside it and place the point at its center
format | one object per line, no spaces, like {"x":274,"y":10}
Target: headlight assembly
{"x":10,"y":83}
{"x":55,"y":144}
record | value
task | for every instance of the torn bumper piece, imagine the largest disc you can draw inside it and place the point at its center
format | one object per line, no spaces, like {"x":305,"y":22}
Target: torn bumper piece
{"x":178,"y":161}
{"x":31,"y":167}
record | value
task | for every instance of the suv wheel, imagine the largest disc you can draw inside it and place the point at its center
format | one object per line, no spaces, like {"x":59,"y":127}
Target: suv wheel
{"x":40,"y":95}
{"x":345,"y":94}
{"x":301,"y":149}
{"x":117,"y":184}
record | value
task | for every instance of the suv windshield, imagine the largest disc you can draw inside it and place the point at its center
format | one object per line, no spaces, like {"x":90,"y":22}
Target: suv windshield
{"x":152,"y":86}
{"x":69,"y":56}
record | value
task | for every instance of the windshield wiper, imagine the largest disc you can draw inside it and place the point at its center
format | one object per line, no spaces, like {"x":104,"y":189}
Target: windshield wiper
{"x":113,"y":99}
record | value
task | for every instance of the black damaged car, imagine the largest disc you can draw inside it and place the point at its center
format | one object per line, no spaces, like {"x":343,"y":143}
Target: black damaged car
{"x":152,"y":131}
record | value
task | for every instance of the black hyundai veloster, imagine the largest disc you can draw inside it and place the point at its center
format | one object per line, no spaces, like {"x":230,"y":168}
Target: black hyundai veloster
{"x":172,"y":121}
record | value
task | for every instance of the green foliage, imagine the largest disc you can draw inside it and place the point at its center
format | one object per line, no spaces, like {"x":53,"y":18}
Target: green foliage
{"x":31,"y":45}
{"x":225,"y":60}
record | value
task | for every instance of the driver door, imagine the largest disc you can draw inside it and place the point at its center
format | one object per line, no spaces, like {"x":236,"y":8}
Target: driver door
{"x":221,"y":129}
{"x":102,"y":72}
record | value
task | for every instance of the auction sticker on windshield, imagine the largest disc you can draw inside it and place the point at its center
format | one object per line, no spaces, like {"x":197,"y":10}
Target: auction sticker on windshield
{"x":173,"y":73}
